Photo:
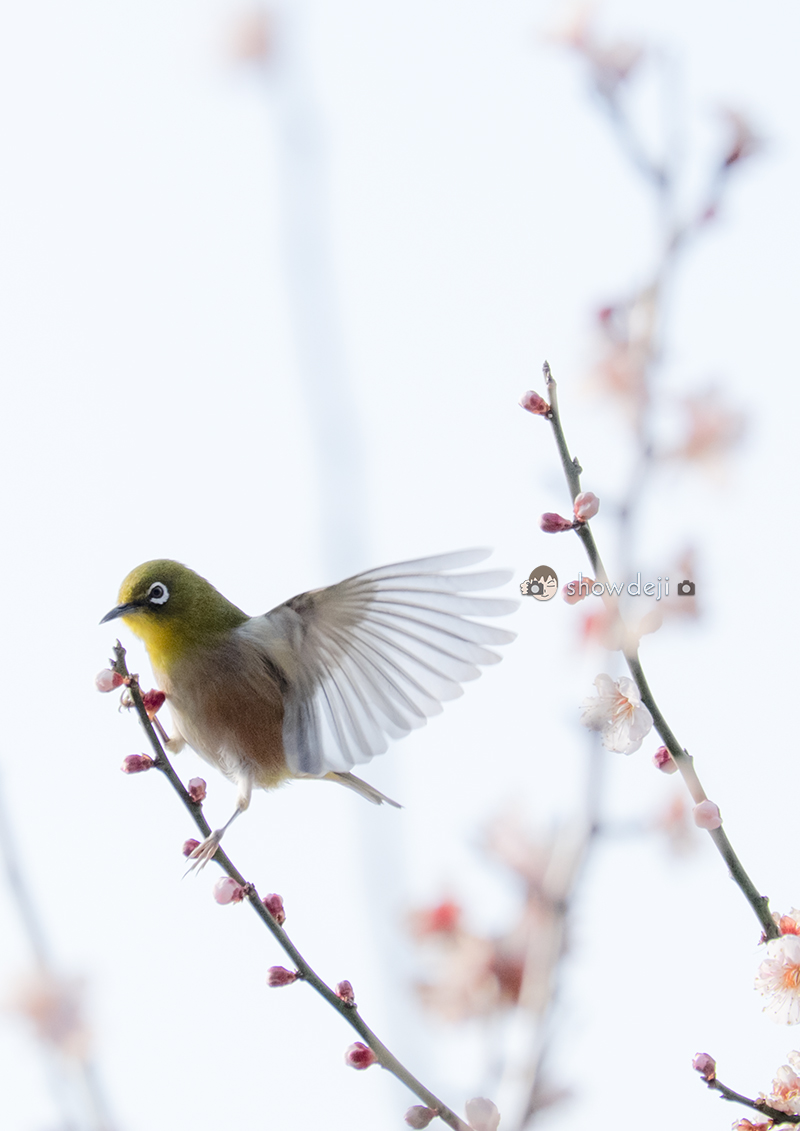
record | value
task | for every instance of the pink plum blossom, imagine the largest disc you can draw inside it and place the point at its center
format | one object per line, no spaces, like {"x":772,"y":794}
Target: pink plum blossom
{"x":586,"y":506}
{"x":706,"y":815}
{"x":617,"y":713}
{"x":107,"y":680}
{"x":137,"y":764}
{"x":419,"y":1116}
{"x":280,"y":976}
{"x":705,"y":1065}
{"x":359,"y":1056}
{"x":226,"y":890}
{"x":344,"y":991}
{"x":532,"y":402}
{"x":274,"y":904}
{"x":663,"y":760}
{"x":778,"y":979}
{"x":554,"y":523}
{"x":196,"y":789}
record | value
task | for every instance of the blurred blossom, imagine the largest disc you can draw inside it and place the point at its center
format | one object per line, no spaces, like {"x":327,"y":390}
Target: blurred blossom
{"x":677,"y":826}
{"x":744,"y":141}
{"x":611,"y":62}
{"x":482,"y":1114}
{"x":617,"y":713}
{"x":54,"y":1007}
{"x":477,"y":976}
{"x":778,"y":979}
{"x":444,"y":918}
{"x":713,"y":430}
{"x":419,"y":1116}
{"x":576,"y":591}
{"x":253,"y":37}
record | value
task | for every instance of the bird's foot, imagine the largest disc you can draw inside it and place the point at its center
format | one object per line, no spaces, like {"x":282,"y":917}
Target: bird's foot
{"x":205,"y":851}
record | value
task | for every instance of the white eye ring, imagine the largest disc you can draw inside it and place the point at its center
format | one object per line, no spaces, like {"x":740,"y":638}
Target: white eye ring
{"x":158,"y":594}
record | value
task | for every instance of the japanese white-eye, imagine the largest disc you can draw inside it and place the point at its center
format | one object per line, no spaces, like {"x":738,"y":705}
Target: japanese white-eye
{"x":321,"y":682}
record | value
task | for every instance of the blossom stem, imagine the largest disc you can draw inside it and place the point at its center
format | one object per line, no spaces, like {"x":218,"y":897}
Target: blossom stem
{"x":726,"y":1093}
{"x":572,"y":471}
{"x":307,"y":974}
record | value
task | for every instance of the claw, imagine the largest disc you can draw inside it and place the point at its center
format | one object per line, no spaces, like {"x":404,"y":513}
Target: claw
{"x":205,"y":851}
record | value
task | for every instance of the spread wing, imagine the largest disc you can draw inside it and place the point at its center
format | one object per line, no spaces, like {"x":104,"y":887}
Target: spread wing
{"x":375,"y":656}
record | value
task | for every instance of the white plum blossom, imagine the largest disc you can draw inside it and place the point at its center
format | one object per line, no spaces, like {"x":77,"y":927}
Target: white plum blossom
{"x":778,"y":979}
{"x":785,"y":1094}
{"x":617,"y":713}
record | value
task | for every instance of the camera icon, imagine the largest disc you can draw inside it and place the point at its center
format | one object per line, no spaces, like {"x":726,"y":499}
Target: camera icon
{"x":530,"y":588}
{"x":686,"y":589}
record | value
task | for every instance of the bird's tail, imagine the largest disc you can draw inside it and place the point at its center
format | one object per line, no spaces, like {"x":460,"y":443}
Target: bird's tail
{"x":363,"y":788}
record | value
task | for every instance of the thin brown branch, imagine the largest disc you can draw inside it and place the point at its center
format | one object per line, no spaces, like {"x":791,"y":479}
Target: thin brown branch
{"x":572,"y":470}
{"x":307,"y":974}
{"x":760,"y":1106}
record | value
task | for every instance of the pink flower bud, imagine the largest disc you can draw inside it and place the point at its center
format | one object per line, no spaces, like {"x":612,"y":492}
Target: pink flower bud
{"x":345,"y":991}
{"x":532,"y":402}
{"x":107,"y":680}
{"x":137,"y":764}
{"x":359,"y":1056}
{"x":189,"y":846}
{"x":577,"y":590}
{"x":226,"y":890}
{"x":586,"y":506}
{"x":196,"y":789}
{"x":482,"y":1115}
{"x":274,"y":904}
{"x":554,"y":523}
{"x":419,"y":1116}
{"x":663,"y":760}
{"x":705,"y":1065}
{"x":706,"y":815}
{"x":153,"y":701}
{"x":788,"y":924}
{"x":280,"y":976}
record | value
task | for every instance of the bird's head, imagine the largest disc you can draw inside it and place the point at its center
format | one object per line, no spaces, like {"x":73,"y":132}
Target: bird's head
{"x":173,"y":609}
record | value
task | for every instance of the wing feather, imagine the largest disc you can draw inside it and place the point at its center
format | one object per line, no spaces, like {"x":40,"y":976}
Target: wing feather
{"x":374,"y":657}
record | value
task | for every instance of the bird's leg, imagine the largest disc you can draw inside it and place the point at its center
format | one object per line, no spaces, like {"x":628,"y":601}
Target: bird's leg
{"x":207,"y":848}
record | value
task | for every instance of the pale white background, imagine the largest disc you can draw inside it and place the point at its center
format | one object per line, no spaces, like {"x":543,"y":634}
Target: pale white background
{"x":479,"y":212}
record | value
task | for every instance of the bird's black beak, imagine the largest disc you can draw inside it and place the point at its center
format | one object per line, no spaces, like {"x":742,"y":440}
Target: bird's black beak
{"x":120,"y":611}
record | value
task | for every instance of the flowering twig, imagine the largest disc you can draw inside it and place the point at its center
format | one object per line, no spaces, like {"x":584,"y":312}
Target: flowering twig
{"x":685,"y":763}
{"x":726,"y":1093}
{"x":341,"y":1002}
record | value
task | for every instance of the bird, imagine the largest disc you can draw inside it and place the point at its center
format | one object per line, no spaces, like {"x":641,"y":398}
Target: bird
{"x":320,"y":683}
